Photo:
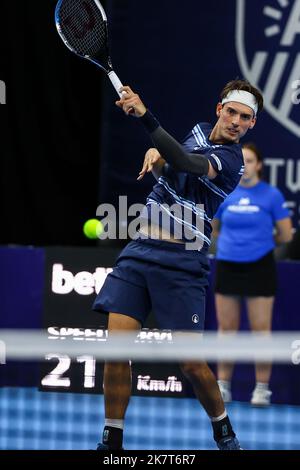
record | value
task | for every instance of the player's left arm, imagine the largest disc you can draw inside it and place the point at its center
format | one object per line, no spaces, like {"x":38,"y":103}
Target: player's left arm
{"x":211,"y":171}
{"x":153,"y":162}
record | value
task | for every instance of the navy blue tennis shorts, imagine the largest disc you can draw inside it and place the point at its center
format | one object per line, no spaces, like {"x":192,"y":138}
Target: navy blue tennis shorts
{"x":160,"y":276}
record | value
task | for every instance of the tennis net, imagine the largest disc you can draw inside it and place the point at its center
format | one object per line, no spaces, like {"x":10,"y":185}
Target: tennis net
{"x":51,"y":389}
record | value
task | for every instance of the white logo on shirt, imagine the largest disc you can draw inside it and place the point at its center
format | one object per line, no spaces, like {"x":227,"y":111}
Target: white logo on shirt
{"x":244,"y":206}
{"x":244,"y":201}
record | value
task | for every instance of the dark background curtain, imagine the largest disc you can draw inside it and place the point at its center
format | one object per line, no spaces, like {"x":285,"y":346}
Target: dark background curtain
{"x":50,"y":131}
{"x":64,"y":145}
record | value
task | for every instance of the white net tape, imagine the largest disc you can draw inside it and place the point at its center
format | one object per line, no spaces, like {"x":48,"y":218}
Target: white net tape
{"x":151,"y":345}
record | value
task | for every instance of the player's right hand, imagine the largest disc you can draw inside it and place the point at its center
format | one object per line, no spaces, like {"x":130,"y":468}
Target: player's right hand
{"x":131,"y":102}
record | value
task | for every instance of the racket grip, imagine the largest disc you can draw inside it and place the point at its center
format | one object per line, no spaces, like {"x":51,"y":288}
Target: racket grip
{"x":116,"y":82}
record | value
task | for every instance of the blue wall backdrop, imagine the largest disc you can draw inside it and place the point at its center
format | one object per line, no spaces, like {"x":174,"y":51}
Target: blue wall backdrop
{"x":27,"y":283}
{"x":178,"y":56}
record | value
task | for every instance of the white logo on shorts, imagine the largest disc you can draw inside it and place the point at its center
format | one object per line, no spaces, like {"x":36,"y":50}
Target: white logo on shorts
{"x":195,"y":318}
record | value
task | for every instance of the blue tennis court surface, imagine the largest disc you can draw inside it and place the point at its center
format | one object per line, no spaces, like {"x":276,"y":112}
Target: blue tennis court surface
{"x":30,"y":419}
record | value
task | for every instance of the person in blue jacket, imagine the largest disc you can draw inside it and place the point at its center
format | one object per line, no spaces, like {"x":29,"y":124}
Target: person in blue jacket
{"x":247,"y":225}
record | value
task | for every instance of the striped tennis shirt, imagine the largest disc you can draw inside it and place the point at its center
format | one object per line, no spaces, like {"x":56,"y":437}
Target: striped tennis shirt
{"x":195,"y":198}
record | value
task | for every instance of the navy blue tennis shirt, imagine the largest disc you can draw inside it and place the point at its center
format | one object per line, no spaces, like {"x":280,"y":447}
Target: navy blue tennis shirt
{"x":189,"y":191}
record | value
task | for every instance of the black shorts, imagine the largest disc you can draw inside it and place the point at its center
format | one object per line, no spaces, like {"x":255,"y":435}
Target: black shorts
{"x":255,"y":279}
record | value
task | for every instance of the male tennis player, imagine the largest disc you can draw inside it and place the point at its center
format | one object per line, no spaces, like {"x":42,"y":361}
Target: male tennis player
{"x":156,"y":270}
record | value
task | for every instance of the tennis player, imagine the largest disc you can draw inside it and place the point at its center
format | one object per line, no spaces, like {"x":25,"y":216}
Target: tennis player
{"x":156,"y":271}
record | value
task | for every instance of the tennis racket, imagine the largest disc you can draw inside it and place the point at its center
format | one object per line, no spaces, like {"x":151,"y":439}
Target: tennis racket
{"x":82,"y":25}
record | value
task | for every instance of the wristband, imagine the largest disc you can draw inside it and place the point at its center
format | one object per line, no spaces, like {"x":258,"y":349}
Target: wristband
{"x":149,"y":121}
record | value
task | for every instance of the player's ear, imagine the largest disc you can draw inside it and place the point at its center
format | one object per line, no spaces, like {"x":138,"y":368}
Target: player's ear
{"x":219,"y":109}
{"x":253,"y":122}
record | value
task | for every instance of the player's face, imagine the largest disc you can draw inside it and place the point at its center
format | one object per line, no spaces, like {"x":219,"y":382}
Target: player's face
{"x":252,"y":165}
{"x":234,"y":121}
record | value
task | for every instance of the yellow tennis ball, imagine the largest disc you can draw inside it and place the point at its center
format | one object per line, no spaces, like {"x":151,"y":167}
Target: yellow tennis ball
{"x":93,"y":228}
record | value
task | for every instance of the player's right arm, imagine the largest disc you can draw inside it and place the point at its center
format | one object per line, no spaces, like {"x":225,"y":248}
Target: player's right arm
{"x":166,"y":145}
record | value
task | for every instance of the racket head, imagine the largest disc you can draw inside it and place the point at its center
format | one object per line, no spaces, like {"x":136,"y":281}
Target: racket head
{"x":82,"y":25}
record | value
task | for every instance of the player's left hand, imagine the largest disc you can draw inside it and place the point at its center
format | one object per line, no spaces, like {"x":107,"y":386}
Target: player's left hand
{"x":151,"y":157}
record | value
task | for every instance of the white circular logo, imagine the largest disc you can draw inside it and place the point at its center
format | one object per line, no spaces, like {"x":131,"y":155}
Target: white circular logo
{"x":195,"y":318}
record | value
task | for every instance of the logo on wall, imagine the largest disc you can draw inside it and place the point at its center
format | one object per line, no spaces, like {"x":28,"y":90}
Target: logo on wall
{"x":267,"y":44}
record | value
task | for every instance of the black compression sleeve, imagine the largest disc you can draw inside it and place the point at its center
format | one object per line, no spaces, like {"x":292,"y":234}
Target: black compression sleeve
{"x":172,"y":151}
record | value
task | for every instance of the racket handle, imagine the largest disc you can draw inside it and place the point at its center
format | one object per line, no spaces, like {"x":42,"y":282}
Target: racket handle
{"x":116,"y":82}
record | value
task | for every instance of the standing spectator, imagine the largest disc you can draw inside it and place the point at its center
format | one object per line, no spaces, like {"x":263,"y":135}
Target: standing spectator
{"x":251,"y":220}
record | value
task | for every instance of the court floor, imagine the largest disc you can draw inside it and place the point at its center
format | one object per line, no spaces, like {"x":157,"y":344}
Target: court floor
{"x":30,"y":419}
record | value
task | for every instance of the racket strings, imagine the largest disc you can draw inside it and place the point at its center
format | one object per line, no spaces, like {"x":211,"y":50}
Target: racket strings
{"x":83,"y":26}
